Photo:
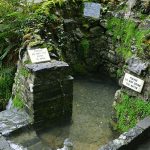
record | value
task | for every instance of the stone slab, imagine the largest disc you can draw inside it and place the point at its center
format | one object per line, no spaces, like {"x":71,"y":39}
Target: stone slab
{"x":145,"y":123}
{"x":46,"y":66}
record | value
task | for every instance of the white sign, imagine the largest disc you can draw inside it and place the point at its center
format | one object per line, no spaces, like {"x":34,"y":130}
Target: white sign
{"x":133,"y":82}
{"x":39,"y":55}
{"x":92,"y":9}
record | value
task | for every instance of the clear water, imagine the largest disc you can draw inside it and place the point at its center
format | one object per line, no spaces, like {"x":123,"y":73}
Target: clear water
{"x":92,"y":108}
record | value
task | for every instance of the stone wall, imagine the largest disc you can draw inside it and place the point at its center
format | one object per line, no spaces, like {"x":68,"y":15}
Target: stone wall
{"x":46,"y":91}
{"x":86,"y":45}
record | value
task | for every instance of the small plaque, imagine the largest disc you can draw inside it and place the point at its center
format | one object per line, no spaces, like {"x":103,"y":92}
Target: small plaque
{"x":39,"y":55}
{"x":92,"y":9}
{"x":133,"y":82}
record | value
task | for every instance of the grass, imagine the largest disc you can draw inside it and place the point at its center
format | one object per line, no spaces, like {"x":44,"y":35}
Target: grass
{"x":129,"y":111}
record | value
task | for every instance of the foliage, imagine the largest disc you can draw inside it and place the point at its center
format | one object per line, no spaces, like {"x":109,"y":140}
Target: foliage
{"x":85,"y":45}
{"x":119,"y":73}
{"x":17,"y":102}
{"x":6,"y":81}
{"x":129,"y":111}
{"x":13,"y":14}
{"x":127,"y":34}
{"x":18,"y":17}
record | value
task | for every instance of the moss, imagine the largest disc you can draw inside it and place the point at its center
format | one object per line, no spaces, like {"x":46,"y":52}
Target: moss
{"x":119,"y":73}
{"x":17,"y":102}
{"x":129,"y":111}
{"x":28,"y":62}
{"x":24,"y":72}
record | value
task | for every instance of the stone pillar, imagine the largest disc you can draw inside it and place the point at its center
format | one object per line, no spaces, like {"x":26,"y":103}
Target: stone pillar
{"x":52,"y":93}
{"x":47,"y":93}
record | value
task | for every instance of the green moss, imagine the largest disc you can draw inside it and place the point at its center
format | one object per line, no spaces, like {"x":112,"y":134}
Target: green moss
{"x":119,"y":73}
{"x":85,"y":45}
{"x":125,"y":33}
{"x":129,"y":111}
{"x":24,"y":72}
{"x":28,"y":62}
{"x":17,"y":102}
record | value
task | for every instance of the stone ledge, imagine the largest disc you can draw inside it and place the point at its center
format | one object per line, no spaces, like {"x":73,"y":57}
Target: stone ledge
{"x":46,"y":66}
{"x":145,"y":123}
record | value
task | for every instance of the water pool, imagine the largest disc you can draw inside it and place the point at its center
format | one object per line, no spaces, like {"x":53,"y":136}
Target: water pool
{"x":92,"y":106}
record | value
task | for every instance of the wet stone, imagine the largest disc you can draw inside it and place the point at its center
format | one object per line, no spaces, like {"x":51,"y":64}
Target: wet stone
{"x":4,"y":145}
{"x":11,"y":121}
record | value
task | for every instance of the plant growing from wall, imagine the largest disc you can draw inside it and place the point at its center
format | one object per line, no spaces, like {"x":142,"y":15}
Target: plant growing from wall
{"x":17,"y":102}
{"x":6,"y":81}
{"x":119,"y":72}
{"x":24,"y":72}
{"x":126,"y":34}
{"x":129,"y":111}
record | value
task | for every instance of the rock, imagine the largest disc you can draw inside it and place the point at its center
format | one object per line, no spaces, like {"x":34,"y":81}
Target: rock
{"x":136,"y":65}
{"x":117,"y":95}
{"x":4,"y":145}
{"x":97,"y":30}
{"x":79,"y":33}
{"x":145,"y":24}
{"x":69,"y":24}
{"x":68,"y":145}
{"x":16,"y":146}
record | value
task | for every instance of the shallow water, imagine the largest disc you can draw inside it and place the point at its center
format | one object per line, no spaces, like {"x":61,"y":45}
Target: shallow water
{"x":145,"y":145}
{"x":92,"y":108}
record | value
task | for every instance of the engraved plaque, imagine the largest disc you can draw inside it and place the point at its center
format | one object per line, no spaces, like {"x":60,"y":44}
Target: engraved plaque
{"x":133,"y":82}
{"x":92,"y":9}
{"x":39,"y":55}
